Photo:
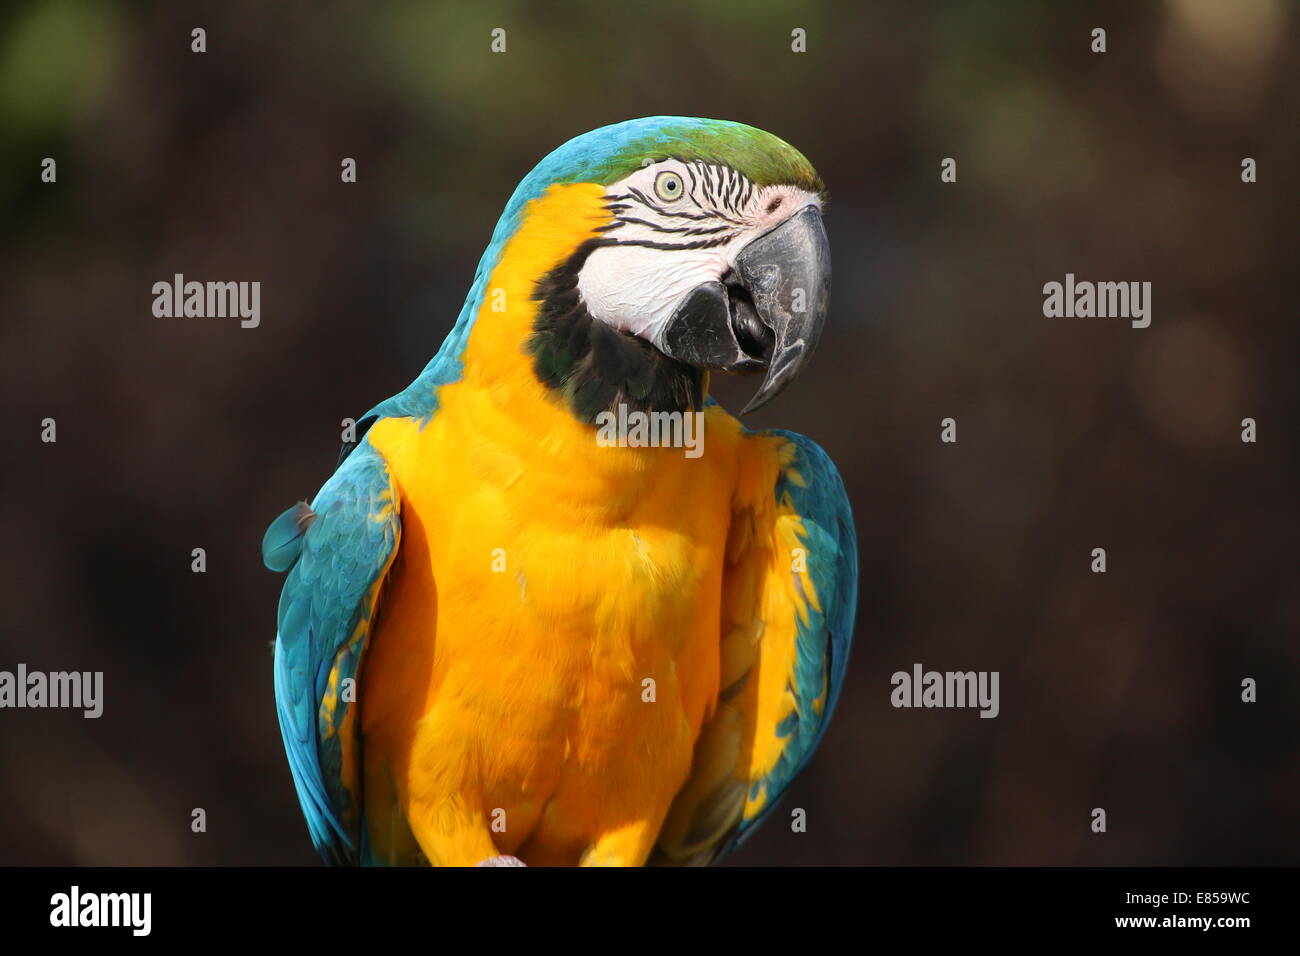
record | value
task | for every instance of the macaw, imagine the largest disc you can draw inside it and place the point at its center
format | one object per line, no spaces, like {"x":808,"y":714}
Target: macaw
{"x":502,"y":641}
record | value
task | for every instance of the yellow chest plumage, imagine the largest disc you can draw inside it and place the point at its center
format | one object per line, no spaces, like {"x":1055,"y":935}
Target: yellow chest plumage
{"x":548,"y":641}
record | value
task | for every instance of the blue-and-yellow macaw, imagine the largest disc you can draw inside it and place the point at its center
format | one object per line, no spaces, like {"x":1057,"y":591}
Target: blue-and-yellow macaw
{"x":503,"y":639}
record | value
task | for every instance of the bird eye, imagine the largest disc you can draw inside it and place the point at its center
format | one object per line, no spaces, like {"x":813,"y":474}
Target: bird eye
{"x":668,"y":186}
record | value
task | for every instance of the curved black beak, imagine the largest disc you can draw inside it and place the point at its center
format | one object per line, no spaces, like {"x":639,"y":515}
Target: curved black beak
{"x":767,"y":316}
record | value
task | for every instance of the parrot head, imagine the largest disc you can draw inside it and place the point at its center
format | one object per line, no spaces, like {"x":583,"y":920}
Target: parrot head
{"x":708,"y":253}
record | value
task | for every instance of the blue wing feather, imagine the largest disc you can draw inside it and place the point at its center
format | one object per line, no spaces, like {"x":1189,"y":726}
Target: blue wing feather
{"x":824,"y":637}
{"x":326,"y":609}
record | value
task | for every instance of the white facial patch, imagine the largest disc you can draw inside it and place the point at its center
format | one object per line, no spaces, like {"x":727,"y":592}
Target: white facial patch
{"x":675,"y":226}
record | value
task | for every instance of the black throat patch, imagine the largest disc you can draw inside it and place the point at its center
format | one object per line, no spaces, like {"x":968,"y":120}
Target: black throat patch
{"x":598,"y":368}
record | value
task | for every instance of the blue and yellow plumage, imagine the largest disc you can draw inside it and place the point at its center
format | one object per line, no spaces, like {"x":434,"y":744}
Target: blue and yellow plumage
{"x":480,"y":596}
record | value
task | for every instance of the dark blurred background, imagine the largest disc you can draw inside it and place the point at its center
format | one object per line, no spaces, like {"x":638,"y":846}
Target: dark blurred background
{"x":1118,"y":690}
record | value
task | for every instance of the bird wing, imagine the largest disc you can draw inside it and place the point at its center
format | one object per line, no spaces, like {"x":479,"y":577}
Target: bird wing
{"x":788,"y":602}
{"x":337,"y":554}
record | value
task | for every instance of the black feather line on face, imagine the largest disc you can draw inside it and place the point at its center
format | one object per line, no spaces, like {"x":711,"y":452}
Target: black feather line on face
{"x":680,"y":230}
{"x":595,"y":367}
{"x":691,"y":176}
